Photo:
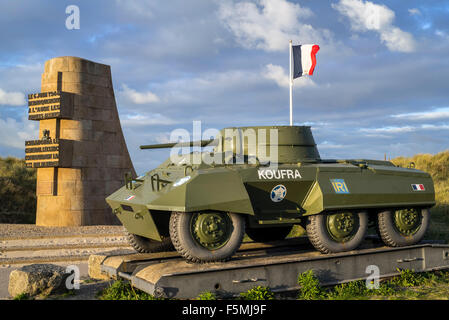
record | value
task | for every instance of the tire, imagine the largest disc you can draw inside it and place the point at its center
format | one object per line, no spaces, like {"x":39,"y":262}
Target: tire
{"x":393,"y":235}
{"x":268,"y":234}
{"x":145,"y":245}
{"x":325,"y":241}
{"x":184,"y":232}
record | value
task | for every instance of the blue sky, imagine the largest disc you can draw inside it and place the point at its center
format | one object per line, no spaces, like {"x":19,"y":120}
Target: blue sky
{"x":381,"y":84}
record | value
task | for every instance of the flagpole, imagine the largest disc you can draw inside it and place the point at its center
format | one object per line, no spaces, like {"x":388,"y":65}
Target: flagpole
{"x":291,"y":84}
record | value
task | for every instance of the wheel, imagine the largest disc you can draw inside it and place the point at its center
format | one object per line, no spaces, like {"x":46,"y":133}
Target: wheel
{"x":268,"y":234}
{"x":337,"y":232}
{"x":206,"y":236}
{"x":145,"y":245}
{"x":403,"y":227}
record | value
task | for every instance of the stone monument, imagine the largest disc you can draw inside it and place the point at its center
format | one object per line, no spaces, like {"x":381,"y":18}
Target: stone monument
{"x":81,"y":155}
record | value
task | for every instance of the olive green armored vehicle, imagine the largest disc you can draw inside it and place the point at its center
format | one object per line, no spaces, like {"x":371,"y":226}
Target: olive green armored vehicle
{"x":262,"y":181}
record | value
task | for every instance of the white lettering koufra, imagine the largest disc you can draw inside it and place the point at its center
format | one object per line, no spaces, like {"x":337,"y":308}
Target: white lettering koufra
{"x":268,"y":174}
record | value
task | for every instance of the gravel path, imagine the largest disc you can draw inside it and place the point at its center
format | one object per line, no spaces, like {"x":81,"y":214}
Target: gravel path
{"x":20,"y":231}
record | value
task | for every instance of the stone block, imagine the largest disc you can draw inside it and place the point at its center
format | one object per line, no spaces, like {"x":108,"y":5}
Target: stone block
{"x":72,"y":134}
{"x":47,"y":214}
{"x":96,"y":114}
{"x":92,"y":174}
{"x":93,"y":203}
{"x":49,"y":77}
{"x":79,"y":161}
{"x":107,"y":126}
{"x":79,"y":187}
{"x":63,"y":201}
{"x":45,"y":174}
{"x":82,"y":100}
{"x":76,"y":134}
{"x":48,"y":124}
{"x":85,"y":147}
{"x":95,"y":160}
{"x":77,"y":202}
{"x":113,"y":161}
{"x":103,"y":102}
{"x":47,"y":87}
{"x":98,"y":135}
{"x":94,"y":267}
{"x":71,"y":217}
{"x":113,"y":185}
{"x":86,"y":66}
{"x":118,"y":173}
{"x":44,"y":187}
{"x":38,"y":279}
{"x":70,"y":124}
{"x":85,"y":78}
{"x":112,"y":149}
{"x":66,"y":186}
{"x":95,"y":188}
{"x":104,"y":215}
{"x":85,"y":89}
{"x":56,"y":65}
{"x":69,"y":174}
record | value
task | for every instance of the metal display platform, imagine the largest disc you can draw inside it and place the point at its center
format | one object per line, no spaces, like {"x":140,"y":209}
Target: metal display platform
{"x":275,"y":265}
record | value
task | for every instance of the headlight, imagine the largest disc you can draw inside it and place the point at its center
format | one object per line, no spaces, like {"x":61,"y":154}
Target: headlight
{"x":181,"y":181}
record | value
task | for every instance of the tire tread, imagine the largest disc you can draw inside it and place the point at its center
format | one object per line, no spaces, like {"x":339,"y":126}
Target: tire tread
{"x":312,"y":234}
{"x":164,"y":245}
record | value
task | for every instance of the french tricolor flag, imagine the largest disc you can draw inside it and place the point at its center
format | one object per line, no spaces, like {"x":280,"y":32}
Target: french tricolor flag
{"x":304,"y":59}
{"x":418,"y":187}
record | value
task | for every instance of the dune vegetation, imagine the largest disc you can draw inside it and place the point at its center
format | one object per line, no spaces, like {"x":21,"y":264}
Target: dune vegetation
{"x":438,"y":167}
{"x":17,"y":191}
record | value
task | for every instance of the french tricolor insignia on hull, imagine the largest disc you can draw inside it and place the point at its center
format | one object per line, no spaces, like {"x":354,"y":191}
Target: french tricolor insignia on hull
{"x":418,"y":187}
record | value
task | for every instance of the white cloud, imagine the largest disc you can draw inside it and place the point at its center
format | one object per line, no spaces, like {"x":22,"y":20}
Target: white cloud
{"x":435,"y":127}
{"x":145,"y":120}
{"x":397,"y":40}
{"x":405,"y":129}
{"x":388,"y":129}
{"x":138,"y":97}
{"x":441,"y":34}
{"x":331,"y":145}
{"x":414,"y":11}
{"x":269,"y":24}
{"x":367,"y":16}
{"x":439,"y":113}
{"x":279,"y":75}
{"x":12,"y":98}
{"x":14,"y":133}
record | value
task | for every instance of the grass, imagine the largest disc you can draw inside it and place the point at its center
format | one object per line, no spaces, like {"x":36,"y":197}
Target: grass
{"x":22,"y":296}
{"x":207,"y":295}
{"x":122,"y":290}
{"x":438,"y":167}
{"x":408,"y":285}
{"x":258,"y":293}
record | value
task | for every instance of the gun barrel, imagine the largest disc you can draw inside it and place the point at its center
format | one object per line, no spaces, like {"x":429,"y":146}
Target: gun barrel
{"x":201,"y":143}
